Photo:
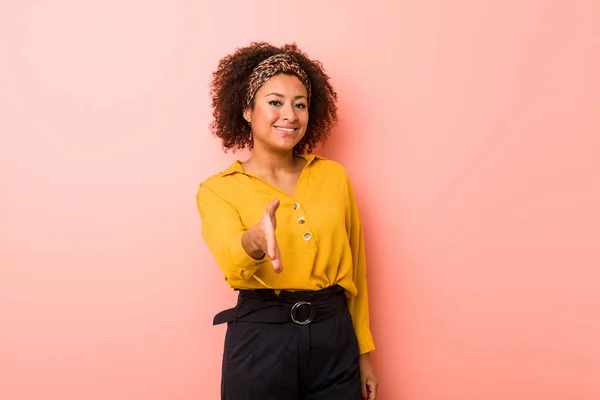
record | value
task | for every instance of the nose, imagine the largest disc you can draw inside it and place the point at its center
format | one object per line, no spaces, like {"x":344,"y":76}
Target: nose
{"x":288,"y":113}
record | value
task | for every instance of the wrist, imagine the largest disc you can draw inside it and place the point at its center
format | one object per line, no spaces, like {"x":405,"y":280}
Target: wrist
{"x":364,"y":359}
{"x":251,"y":243}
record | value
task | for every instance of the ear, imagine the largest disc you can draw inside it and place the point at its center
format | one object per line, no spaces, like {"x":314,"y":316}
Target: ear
{"x":247,"y":114}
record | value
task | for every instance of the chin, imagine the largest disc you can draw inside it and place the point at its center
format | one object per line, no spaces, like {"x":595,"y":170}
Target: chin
{"x":284,"y":148}
{"x":286,"y":144}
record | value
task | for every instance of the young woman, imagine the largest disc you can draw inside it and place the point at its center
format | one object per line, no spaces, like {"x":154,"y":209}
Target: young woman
{"x":286,"y":233}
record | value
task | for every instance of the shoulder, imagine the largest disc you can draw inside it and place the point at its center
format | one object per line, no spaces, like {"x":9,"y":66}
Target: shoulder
{"x":332,"y":173}
{"x":222,"y":182}
{"x":329,"y":167}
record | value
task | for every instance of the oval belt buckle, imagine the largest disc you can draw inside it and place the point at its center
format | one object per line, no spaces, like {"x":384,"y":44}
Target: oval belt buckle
{"x":295,"y":309}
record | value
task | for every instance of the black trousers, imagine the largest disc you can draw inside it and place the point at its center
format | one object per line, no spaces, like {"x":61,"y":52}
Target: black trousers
{"x":285,"y":360}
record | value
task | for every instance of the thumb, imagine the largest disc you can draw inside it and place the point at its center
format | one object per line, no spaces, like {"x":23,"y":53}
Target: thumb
{"x":363,"y":385}
{"x":271,"y":208}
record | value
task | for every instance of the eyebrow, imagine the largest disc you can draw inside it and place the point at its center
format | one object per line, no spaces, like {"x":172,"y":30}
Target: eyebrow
{"x":280,"y":95}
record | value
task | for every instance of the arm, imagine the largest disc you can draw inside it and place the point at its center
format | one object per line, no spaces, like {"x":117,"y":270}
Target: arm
{"x":234,"y":247}
{"x":359,"y":305}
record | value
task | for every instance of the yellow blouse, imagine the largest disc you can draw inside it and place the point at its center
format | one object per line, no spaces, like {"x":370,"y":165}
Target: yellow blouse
{"x":319,"y":234}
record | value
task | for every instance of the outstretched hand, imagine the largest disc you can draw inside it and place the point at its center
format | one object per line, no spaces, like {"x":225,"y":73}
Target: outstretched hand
{"x":268,"y":224}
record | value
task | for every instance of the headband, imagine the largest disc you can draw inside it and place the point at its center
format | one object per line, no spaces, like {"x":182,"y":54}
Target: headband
{"x":279,"y":63}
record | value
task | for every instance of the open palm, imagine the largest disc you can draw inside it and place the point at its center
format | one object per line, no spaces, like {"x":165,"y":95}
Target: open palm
{"x":268,"y":224}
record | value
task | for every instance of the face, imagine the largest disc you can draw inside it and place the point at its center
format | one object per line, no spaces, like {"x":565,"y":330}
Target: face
{"x":280,"y":114}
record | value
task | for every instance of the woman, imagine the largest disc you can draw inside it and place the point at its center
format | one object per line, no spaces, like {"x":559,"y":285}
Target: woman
{"x":285,"y":231}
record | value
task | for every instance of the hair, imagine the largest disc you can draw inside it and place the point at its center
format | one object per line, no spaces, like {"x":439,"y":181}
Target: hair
{"x":230,"y":85}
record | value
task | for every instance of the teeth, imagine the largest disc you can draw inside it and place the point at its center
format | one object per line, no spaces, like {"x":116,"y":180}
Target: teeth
{"x":286,"y":129}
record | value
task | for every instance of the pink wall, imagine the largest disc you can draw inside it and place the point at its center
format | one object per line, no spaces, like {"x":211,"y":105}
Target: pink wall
{"x":471,"y":130}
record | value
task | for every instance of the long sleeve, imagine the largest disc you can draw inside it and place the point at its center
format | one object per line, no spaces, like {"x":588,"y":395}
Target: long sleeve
{"x":359,"y":304}
{"x":222,"y":231}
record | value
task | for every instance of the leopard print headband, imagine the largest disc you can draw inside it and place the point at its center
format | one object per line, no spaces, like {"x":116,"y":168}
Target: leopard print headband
{"x":278,"y":63}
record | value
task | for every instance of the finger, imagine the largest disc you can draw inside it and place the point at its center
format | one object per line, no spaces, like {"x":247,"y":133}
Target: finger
{"x":372,"y":389}
{"x":277,"y":267}
{"x":271,"y":208}
{"x":363,"y":386}
{"x":272,"y":245}
{"x":276,"y":261}
{"x":278,"y":255}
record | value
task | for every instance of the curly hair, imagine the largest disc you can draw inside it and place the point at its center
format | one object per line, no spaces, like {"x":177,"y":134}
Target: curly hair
{"x":230,"y":84}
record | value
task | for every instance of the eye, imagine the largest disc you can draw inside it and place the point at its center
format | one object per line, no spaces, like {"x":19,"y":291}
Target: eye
{"x":275,"y":103}
{"x":301,"y":105}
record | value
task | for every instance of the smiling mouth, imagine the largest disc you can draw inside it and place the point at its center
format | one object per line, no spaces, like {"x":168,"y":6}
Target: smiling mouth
{"x":289,"y":130}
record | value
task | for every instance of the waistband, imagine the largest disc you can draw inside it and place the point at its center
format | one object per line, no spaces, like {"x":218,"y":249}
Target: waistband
{"x":300,"y":307}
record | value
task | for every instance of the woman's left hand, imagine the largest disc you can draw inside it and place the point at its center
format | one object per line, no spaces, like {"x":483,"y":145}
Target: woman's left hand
{"x":368,"y":381}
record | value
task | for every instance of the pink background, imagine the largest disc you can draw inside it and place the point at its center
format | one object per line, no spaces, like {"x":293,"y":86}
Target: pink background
{"x":471,"y":130}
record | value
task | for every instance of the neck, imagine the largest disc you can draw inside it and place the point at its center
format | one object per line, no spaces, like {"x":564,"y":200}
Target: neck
{"x":272,"y":163}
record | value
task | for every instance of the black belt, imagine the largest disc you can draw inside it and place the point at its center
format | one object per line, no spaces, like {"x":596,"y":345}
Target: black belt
{"x":301,"y":307}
